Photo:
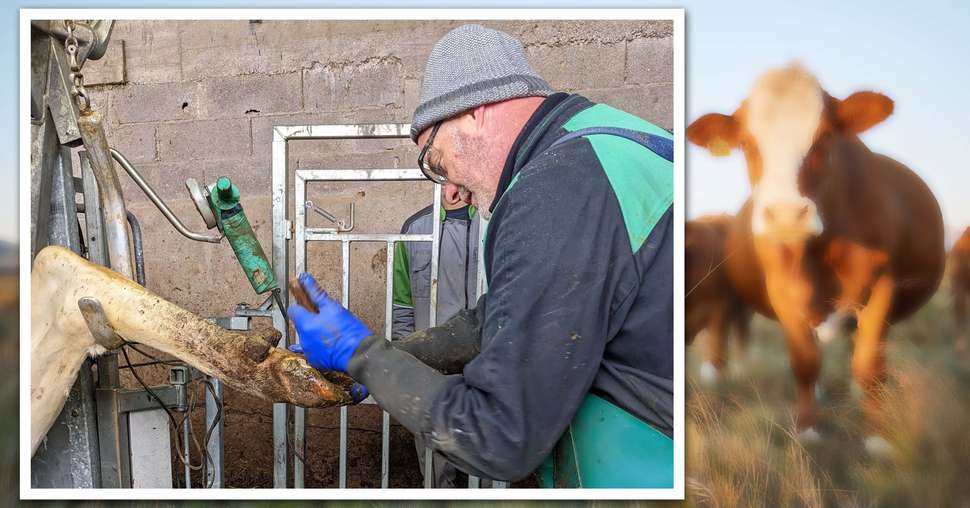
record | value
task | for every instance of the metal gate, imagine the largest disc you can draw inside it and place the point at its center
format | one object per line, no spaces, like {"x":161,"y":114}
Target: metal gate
{"x":282,"y":227}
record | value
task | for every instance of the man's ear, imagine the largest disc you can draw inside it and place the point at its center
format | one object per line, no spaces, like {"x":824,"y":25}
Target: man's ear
{"x":862,"y":110}
{"x":718,"y":133}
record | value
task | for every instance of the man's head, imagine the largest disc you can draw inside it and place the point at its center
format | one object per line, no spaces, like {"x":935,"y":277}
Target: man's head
{"x":478,"y":92}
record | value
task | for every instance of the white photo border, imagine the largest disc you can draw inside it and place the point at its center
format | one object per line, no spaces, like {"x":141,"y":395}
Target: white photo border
{"x":674,"y":15}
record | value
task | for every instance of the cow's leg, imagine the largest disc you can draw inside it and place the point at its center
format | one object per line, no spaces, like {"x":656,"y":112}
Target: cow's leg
{"x":790,"y":294}
{"x":793,"y":297}
{"x":713,"y":367}
{"x":855,"y":266}
{"x":80,"y":309}
{"x":960,"y":305}
{"x":805,"y":363}
{"x":741,"y":325}
{"x":868,"y":358}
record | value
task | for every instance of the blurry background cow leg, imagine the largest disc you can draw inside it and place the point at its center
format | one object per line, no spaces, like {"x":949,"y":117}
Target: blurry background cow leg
{"x":869,"y":359}
{"x":960,"y":308}
{"x":713,"y":368}
{"x":739,"y":329}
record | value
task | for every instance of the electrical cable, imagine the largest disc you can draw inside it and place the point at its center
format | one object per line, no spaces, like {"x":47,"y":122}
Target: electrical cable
{"x":279,"y":304}
{"x":176,"y":423}
{"x":215,"y":421}
{"x":152,"y":357}
{"x":146,"y":364}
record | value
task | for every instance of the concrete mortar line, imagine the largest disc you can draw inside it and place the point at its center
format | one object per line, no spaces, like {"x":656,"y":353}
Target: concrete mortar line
{"x":124,"y":63}
{"x":302,"y":91}
{"x":626,"y":60}
{"x":178,"y":121}
{"x":158,"y":147}
{"x":638,"y":34}
{"x":178,"y":37}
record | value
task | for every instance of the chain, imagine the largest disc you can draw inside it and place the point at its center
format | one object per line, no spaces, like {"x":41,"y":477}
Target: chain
{"x":77,"y":79}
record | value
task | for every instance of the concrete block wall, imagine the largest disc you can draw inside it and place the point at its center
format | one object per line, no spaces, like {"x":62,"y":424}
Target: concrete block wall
{"x":200,"y":98}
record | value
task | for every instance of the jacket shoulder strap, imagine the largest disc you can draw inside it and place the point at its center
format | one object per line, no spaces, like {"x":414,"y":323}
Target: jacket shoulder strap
{"x":657,"y":144}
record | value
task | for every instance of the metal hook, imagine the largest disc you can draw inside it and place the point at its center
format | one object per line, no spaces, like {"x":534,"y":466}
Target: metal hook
{"x":342,"y":227}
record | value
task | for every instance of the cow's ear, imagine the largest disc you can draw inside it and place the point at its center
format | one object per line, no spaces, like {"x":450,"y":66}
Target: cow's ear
{"x":718,"y":133}
{"x":862,"y":110}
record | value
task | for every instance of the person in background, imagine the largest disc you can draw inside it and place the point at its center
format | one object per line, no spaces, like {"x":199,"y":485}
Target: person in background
{"x":457,"y":285}
{"x":457,"y":265}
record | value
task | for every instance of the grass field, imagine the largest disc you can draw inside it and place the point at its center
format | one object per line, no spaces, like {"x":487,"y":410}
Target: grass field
{"x":741,"y":449}
{"x":9,"y":364}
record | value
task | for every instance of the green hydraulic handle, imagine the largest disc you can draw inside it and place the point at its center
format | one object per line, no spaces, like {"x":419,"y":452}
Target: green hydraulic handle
{"x":234,"y":224}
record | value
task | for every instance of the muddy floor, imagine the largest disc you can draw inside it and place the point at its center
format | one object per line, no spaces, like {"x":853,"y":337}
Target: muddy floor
{"x":248,"y":447}
{"x":248,"y":440}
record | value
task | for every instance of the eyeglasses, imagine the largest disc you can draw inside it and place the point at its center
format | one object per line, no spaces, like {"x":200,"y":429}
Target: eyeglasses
{"x":432,"y":172}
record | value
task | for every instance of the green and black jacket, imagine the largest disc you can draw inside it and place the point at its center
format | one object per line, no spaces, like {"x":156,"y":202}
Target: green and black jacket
{"x":579,"y":265}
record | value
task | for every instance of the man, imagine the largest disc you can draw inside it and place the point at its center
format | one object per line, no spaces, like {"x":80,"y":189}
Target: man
{"x":457,"y":265}
{"x":573,"y":343}
{"x":457,"y":284}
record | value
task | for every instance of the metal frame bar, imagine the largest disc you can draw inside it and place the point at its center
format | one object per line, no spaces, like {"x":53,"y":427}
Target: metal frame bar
{"x":281,"y":233}
{"x":215,"y":474}
{"x":72,"y":457}
{"x":304,"y":235}
{"x":282,"y":230}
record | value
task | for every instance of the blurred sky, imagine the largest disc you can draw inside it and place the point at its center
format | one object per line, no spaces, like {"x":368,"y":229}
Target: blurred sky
{"x":919,"y":55}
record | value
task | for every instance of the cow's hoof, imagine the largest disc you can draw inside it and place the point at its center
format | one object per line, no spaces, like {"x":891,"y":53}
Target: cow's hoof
{"x":829,"y":329}
{"x":819,"y":392}
{"x":809,"y":436}
{"x":855,"y":390}
{"x":709,"y":375}
{"x":877,"y":447}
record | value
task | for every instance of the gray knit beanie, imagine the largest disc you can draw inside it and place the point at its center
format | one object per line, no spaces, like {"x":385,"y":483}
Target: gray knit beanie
{"x":470,"y":66}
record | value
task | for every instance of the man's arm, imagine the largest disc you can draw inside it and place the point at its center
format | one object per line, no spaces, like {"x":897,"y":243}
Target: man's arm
{"x":448,"y":347}
{"x":544,"y":332}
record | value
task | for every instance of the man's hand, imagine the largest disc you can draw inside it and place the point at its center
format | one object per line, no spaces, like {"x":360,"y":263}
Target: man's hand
{"x":327,"y":339}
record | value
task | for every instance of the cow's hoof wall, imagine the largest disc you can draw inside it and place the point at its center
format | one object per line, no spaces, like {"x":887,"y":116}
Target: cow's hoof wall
{"x":877,"y":447}
{"x":709,"y":375}
{"x":809,"y":436}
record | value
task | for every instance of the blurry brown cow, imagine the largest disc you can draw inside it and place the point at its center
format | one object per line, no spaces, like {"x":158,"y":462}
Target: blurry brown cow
{"x":960,"y":278}
{"x":712,"y":304}
{"x":830,"y":226}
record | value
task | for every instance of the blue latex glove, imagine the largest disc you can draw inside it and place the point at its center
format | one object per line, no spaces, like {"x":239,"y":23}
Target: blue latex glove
{"x":358,"y":392}
{"x":327,"y":339}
